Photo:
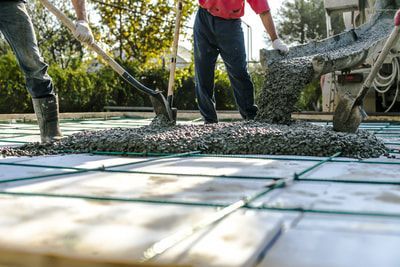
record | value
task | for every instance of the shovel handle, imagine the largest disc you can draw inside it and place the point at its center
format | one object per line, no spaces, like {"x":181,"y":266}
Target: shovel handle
{"x":98,"y":50}
{"x":391,"y":41}
{"x":174,"y":55}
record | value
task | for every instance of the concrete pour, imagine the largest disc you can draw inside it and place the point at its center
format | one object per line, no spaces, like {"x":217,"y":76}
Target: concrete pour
{"x":285,"y":79}
{"x":284,"y":82}
{"x":224,"y":138}
{"x":287,"y":76}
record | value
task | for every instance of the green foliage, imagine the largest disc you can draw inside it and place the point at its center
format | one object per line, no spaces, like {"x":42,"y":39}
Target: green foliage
{"x":81,"y":90}
{"x":56,"y":42}
{"x":185,"y":97}
{"x":258,"y":77}
{"x":304,"y":20}
{"x":223,"y":92}
{"x":140,"y":30}
{"x":14,"y":98}
{"x":78,"y":90}
{"x":311,"y":97}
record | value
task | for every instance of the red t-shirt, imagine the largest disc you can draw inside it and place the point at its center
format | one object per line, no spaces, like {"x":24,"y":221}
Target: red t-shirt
{"x":233,"y":9}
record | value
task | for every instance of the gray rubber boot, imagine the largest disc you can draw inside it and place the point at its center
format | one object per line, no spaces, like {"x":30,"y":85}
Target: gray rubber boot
{"x":46,"y":110}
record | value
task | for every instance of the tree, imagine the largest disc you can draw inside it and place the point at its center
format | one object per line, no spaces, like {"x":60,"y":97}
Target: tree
{"x":304,"y":20}
{"x":56,"y":42}
{"x":140,"y":30}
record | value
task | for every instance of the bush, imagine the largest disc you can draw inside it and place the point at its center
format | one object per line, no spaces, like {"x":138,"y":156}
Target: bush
{"x":83,"y":91}
{"x":311,"y":97}
{"x":14,"y":98}
{"x":257,"y":74}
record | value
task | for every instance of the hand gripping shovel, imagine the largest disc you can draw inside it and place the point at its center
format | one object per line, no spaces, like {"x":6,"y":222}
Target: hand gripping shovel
{"x":349,"y":112}
{"x":161,"y":107}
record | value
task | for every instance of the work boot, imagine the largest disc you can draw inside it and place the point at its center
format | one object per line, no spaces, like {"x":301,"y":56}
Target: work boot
{"x":46,"y":110}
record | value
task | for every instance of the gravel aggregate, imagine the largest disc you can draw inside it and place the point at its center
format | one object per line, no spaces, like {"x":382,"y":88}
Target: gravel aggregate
{"x":283,"y":85}
{"x":224,"y":138}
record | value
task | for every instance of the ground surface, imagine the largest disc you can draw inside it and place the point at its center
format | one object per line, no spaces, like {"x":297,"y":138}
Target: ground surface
{"x":338,"y":212}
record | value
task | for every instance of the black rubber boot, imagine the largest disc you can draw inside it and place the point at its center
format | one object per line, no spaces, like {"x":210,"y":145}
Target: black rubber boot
{"x":46,"y":110}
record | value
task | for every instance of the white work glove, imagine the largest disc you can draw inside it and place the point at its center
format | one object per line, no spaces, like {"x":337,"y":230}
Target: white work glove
{"x":280,"y":46}
{"x":83,"y":32}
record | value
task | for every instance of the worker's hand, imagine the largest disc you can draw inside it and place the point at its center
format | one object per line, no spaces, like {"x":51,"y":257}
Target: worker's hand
{"x":280,"y":46}
{"x":83,"y":32}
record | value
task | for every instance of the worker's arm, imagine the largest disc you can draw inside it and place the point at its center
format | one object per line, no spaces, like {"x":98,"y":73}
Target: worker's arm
{"x":269,"y":25}
{"x":82,"y":31}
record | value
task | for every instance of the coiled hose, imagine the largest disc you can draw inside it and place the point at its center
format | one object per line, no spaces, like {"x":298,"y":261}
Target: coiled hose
{"x":382,"y":84}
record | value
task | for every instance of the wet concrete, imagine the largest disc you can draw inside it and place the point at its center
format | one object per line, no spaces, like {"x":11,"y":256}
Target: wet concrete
{"x":288,"y":75}
{"x":284,"y":82}
{"x":224,"y":138}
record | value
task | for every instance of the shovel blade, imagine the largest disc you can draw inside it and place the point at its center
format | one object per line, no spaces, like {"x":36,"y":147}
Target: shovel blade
{"x":161,"y":107}
{"x":348,"y":115}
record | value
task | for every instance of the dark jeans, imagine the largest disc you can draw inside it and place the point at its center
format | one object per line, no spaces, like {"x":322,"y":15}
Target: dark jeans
{"x":17,"y":28}
{"x":214,"y":36}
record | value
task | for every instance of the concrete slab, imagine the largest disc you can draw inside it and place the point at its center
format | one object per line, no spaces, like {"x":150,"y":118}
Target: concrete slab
{"x":212,"y":250}
{"x":361,"y":198}
{"x":125,"y":230}
{"x":219,"y":166}
{"x":337,"y":197}
{"x":349,"y":223}
{"x":23,"y":139}
{"x":9,"y":172}
{"x":123,"y":185}
{"x":358,"y":171}
{"x":314,"y":248}
{"x":86,"y":161}
{"x":295,"y":196}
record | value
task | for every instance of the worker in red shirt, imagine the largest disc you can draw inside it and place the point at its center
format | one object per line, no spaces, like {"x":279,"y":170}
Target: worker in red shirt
{"x":218,"y":31}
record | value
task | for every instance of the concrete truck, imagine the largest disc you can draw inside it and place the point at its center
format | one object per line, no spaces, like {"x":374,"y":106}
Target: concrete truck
{"x":385,"y":96}
{"x":342,"y":62}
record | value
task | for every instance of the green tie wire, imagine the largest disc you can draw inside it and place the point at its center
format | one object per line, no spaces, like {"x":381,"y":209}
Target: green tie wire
{"x":195,"y":154}
{"x":174,"y":239}
{"x":167,"y":243}
{"x":237,"y":156}
{"x":197,"y":204}
{"x":78,"y":170}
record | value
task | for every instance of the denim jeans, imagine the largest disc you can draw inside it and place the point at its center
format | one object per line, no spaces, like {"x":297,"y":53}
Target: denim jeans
{"x":215,"y":36}
{"x":17,"y":28}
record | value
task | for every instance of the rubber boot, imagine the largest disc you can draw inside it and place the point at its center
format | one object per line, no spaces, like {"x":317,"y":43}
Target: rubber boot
{"x":46,"y":110}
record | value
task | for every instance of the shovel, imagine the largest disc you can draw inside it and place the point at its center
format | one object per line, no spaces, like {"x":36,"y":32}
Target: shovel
{"x":172,"y":69}
{"x":349,"y":112}
{"x":160,"y":104}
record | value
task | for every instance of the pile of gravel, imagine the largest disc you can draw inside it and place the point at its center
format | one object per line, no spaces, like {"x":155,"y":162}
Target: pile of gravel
{"x":223,"y":138}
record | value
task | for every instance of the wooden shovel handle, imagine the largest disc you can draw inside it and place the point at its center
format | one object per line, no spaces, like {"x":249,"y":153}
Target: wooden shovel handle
{"x":174,"y":55}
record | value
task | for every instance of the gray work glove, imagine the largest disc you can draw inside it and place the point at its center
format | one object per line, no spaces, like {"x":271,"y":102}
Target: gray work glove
{"x":83,"y":32}
{"x":280,"y":46}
